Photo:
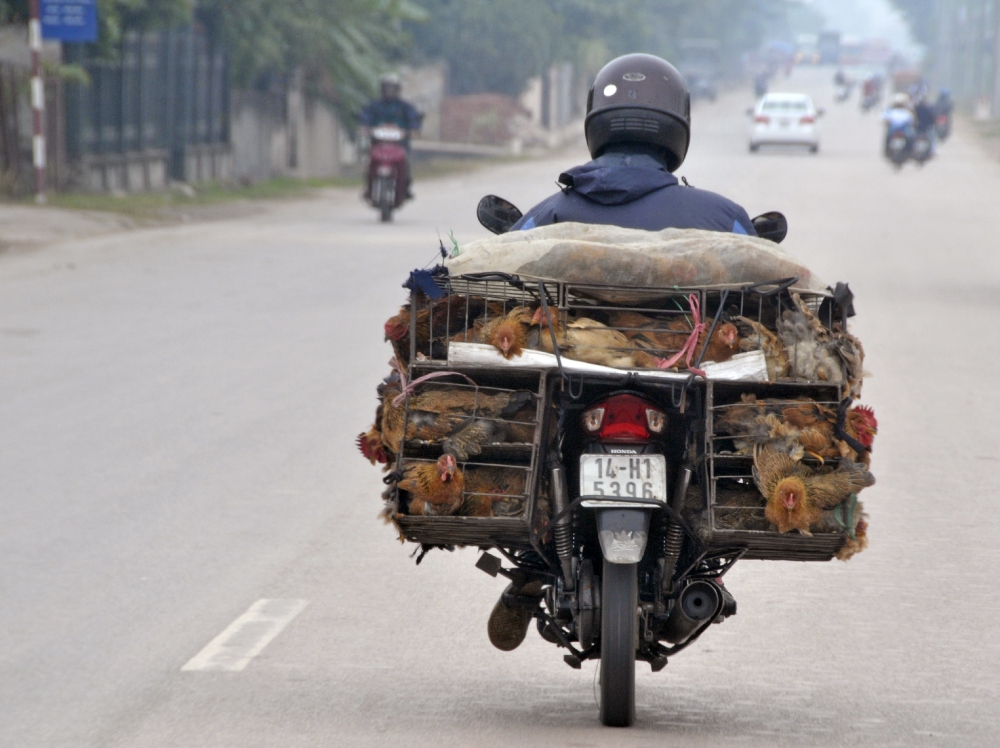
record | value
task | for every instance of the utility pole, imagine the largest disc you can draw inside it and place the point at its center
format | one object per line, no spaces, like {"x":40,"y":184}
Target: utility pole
{"x":37,"y":99}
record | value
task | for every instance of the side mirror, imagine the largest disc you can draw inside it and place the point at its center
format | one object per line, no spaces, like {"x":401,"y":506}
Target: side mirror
{"x":750,"y":112}
{"x":772,"y":226}
{"x":820,"y":112}
{"x":497,"y":215}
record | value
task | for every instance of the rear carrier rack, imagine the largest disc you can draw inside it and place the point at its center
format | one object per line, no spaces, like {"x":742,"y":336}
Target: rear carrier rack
{"x":643,"y":328}
{"x":496,"y":440}
{"x":638,"y":328}
{"x":731,"y":511}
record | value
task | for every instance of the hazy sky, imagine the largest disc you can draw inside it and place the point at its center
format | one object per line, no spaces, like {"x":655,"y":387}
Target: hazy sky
{"x":869,"y":18}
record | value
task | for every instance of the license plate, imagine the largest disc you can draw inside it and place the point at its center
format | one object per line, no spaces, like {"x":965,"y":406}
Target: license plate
{"x":786,"y":122}
{"x":624,"y":476}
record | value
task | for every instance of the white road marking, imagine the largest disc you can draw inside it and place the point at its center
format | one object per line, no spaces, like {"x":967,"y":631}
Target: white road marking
{"x":246,"y":637}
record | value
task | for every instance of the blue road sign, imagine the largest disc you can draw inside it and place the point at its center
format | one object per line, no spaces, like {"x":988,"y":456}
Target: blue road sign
{"x":74,"y":21}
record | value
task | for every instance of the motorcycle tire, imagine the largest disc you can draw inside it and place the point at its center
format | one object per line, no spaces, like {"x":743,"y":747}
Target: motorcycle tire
{"x":386,"y":191}
{"x":619,"y":633}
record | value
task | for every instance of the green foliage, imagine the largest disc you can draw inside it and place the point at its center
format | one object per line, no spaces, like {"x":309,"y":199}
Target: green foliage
{"x":340,"y":45}
{"x":490,"y":46}
{"x":13,"y":11}
{"x":497,"y":46}
{"x":115,"y":17}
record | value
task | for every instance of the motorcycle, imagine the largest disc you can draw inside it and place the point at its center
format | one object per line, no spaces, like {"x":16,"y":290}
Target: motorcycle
{"x":898,"y":144}
{"x":842,"y":92}
{"x":388,"y":169}
{"x":627,"y":581}
{"x":942,"y":125}
{"x":922,"y":149}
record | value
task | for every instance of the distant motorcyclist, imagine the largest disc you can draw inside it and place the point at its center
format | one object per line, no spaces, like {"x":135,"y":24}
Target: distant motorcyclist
{"x":391,"y":109}
{"x":760,"y":84}
{"x":638,"y":128}
{"x":944,"y":104}
{"x":943,"y":108}
{"x":925,"y":116}
{"x":899,"y":117}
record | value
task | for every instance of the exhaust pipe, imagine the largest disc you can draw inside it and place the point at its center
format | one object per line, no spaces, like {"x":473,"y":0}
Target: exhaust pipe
{"x":698,"y":604}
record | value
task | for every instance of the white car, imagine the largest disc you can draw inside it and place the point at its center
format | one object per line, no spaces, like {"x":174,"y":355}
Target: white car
{"x":785,"y":119}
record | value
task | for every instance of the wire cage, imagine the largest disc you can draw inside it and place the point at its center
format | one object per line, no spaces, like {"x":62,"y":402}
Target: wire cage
{"x":503,"y":496}
{"x":734,"y":507}
{"x":628,"y":327}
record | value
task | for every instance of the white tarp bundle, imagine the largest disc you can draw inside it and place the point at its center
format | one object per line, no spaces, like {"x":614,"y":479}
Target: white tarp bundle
{"x":597,"y":254}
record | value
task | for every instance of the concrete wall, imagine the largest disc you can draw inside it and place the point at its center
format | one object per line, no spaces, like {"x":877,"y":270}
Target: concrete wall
{"x":424,"y":87}
{"x":284,"y":134}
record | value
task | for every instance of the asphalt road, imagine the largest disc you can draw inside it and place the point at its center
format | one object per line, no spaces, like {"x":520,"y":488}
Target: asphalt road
{"x":177,"y":412}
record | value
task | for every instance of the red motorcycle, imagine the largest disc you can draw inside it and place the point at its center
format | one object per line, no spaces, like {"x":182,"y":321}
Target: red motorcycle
{"x":388,"y":169}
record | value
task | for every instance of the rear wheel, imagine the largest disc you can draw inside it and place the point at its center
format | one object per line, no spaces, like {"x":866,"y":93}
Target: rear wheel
{"x":619,"y":624}
{"x":754,"y":148}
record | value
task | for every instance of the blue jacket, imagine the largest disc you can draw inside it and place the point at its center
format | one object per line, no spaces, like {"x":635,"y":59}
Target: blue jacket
{"x":634,"y":190}
{"x":396,"y":111}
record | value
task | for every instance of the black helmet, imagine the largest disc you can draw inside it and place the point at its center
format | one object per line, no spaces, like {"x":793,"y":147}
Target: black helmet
{"x":640,"y":99}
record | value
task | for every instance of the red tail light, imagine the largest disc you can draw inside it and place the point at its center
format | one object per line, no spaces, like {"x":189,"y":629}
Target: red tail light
{"x":807,"y":120}
{"x":624,"y":418}
{"x":762,"y":119}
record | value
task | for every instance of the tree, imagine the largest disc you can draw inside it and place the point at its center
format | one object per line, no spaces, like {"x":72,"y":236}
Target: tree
{"x":340,"y":45}
{"x":497,"y":46}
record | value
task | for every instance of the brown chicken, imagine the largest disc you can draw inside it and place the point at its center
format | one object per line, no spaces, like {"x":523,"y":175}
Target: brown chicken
{"x":440,"y":413}
{"x":665,"y":338}
{"x":435,"y":488}
{"x":755,"y":337}
{"x":509,"y":333}
{"x":812,"y":352}
{"x":521,"y":425}
{"x":817,"y":427}
{"x":494,"y":492}
{"x":796,"y":495}
{"x":449,"y":317}
{"x":370,"y":444}
{"x":588,"y":340}
{"x":797,"y":427}
{"x":429,"y":419}
{"x":852,"y":355}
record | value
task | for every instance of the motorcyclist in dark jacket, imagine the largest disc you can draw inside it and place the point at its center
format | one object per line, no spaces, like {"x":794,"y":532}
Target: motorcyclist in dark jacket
{"x":638,"y":128}
{"x":390,"y":109}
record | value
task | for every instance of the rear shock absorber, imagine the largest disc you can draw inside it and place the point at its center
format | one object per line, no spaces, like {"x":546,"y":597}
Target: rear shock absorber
{"x":673,"y":536}
{"x":562,"y":529}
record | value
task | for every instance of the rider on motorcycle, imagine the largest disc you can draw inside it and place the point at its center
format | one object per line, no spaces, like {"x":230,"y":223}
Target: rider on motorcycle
{"x":926,"y":117}
{"x":943,"y":108}
{"x":944,"y":104}
{"x":391,"y":109}
{"x":638,"y":128}
{"x":898,"y":117}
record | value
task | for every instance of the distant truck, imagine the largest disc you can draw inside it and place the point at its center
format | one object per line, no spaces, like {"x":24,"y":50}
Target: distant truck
{"x":699,"y":63}
{"x":807,"y":49}
{"x":828,"y":46}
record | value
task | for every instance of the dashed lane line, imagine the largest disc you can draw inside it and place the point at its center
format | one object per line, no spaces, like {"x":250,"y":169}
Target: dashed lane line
{"x":246,"y":637}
